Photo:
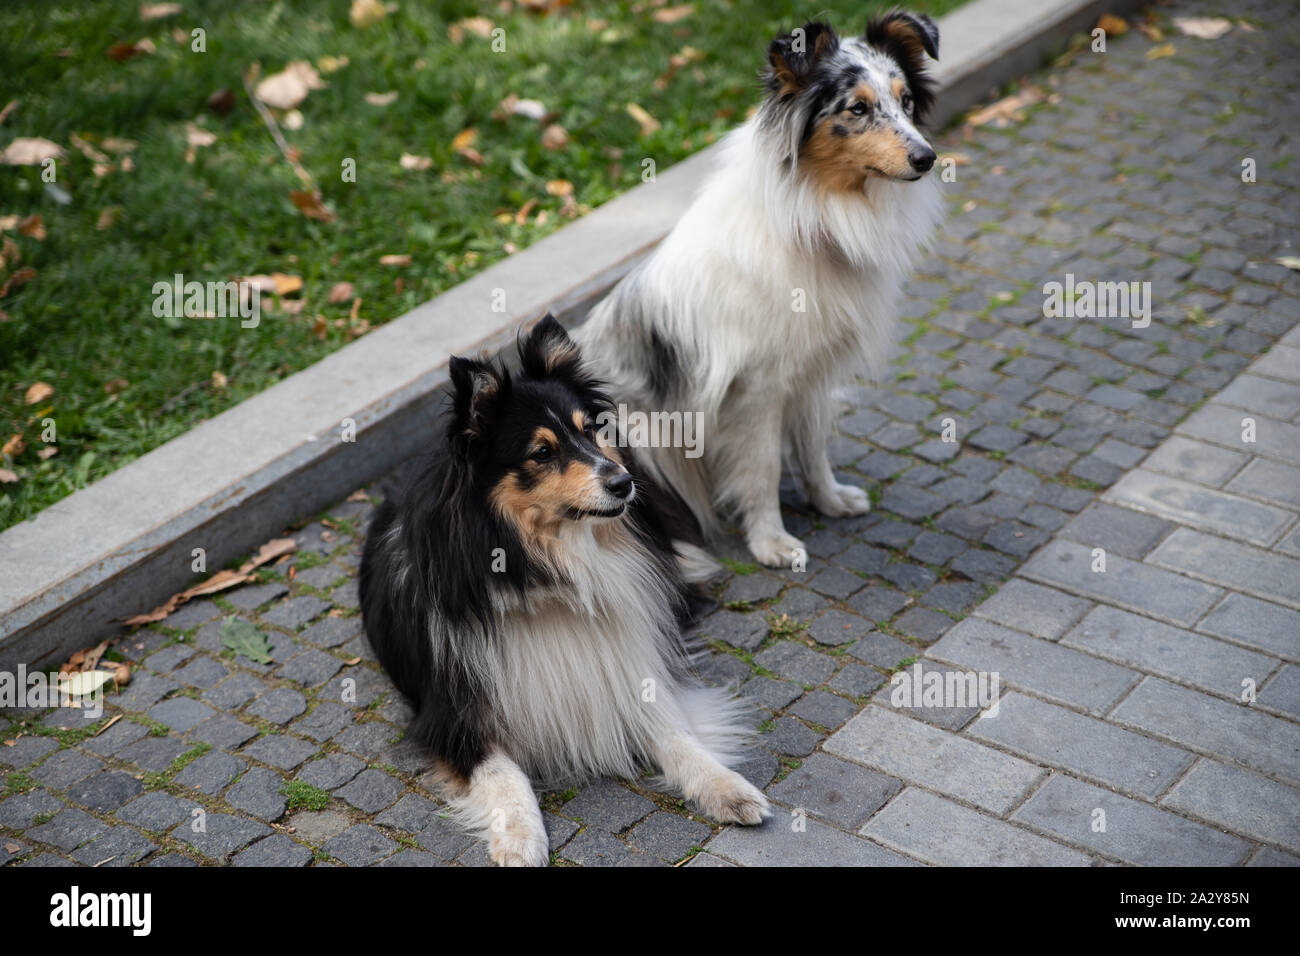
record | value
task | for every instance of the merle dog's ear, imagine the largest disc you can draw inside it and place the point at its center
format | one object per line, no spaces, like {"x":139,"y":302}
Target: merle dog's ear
{"x":908,"y":38}
{"x":547,"y":351}
{"x":793,"y":56}
{"x":915,"y":32}
{"x":477,"y":391}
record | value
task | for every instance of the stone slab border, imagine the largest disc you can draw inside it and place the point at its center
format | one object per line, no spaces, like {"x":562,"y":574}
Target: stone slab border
{"x":123,"y":544}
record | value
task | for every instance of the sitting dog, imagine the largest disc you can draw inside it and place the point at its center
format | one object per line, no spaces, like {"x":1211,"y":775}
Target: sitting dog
{"x":782,"y":278}
{"x":524,"y":594}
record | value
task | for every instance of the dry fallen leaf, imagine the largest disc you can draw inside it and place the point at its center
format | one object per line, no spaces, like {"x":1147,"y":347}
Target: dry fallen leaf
{"x":108,"y":218}
{"x":48,"y":452}
{"x":219,"y":380}
{"x":84,"y":659}
{"x":410,"y":161}
{"x":14,"y":446}
{"x":1203,"y":28}
{"x":195,"y":139}
{"x":311,"y":204}
{"x":331,"y":64}
{"x":341,"y":292}
{"x":33,"y":227}
{"x":481,"y":27}
{"x":1113,"y":25}
{"x":559,"y":187}
{"x":289,"y":87}
{"x":382,"y":99}
{"x":19,"y":278}
{"x":1161,"y":51}
{"x":649,"y":125}
{"x":359,"y":495}
{"x":1291,"y":262}
{"x":157,"y":11}
{"x":555,"y":137}
{"x":7,"y":477}
{"x":395,"y":260}
{"x":284,"y":284}
{"x":88,"y":150}
{"x":464,"y":139}
{"x":353,"y":661}
{"x":38,"y":392}
{"x":1008,"y":109}
{"x":366,"y":13}
{"x":8,"y":111}
{"x":30,"y":151}
{"x":673,"y":14}
{"x":275,"y":548}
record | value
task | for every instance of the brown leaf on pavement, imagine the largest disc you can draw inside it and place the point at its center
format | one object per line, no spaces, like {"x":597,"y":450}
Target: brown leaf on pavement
{"x":311,"y":204}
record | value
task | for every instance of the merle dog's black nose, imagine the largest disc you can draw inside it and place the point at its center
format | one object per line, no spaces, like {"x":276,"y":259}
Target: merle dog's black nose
{"x":922,"y":160}
{"x":620,"y":486}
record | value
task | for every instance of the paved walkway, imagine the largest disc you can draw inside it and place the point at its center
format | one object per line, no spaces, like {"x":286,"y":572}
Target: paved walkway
{"x":1147,"y":713}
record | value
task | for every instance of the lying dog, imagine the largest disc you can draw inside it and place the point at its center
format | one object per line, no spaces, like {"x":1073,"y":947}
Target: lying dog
{"x":782,"y":278}
{"x":524,"y":594}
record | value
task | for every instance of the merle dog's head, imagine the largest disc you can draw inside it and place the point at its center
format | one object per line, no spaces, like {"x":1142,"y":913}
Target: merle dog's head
{"x":850,"y":108}
{"x":532,"y":443}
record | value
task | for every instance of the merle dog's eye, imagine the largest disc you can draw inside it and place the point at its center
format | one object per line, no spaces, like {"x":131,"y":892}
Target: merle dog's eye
{"x":859,"y":109}
{"x":542,"y":453}
{"x":907,"y":102}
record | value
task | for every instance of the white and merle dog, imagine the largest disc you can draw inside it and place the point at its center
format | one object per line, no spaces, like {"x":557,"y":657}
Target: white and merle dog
{"x":523,"y":592}
{"x":782,"y":279}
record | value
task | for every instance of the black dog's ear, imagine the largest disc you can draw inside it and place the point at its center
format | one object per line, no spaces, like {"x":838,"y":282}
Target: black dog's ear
{"x":908,"y":29}
{"x":477,"y":391}
{"x":793,"y":56}
{"x":908,"y":38}
{"x":548,"y":351}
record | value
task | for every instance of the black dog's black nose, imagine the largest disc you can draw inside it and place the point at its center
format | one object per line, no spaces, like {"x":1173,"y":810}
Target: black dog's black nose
{"x":922,"y":160}
{"x":620,"y":486}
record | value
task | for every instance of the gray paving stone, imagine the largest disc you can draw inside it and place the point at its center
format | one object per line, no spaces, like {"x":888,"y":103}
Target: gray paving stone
{"x":906,"y":692}
{"x":935,"y":759}
{"x":153,"y":753}
{"x":279,"y":750}
{"x":26,"y":751}
{"x":1197,"y":461}
{"x":778,"y":843}
{"x":46,"y":860}
{"x":1230,"y":564}
{"x":1055,"y":672}
{"x":120,"y":846}
{"x":246,"y":599}
{"x":594,"y":847}
{"x":155,"y":811}
{"x":878,"y":604}
{"x":1125,"y":583}
{"x":67,"y":830}
{"x":1228,"y":730}
{"x":326,"y":720}
{"x":412,"y":813}
{"x":884,"y":651}
{"x":840,"y":792}
{"x":1158,"y":648}
{"x":1222,"y":425}
{"x":1283,"y":691}
{"x":796,"y":662}
{"x":311,"y":668}
{"x":65,"y":768}
{"x":235,"y":691}
{"x":211,"y":772}
{"x":923,"y":624}
{"x":444,"y":839}
{"x":411,"y":858}
{"x":180,"y":713}
{"x":1268,"y":856}
{"x":330,"y":772}
{"x":1037,"y":610}
{"x":1117,"y":530}
{"x":172,"y":860}
{"x":1134,"y":832}
{"x":837,"y":628}
{"x":18,"y":812}
{"x":317,"y":826}
{"x":943,"y":833}
{"x":1200,"y":507}
{"x":371,"y":791}
{"x":201,"y":672}
{"x":1241,"y":802}
{"x":668,"y":836}
{"x":836,"y":583}
{"x":791,"y":738}
{"x":1256,"y":623}
{"x":332,"y":631}
{"x":223,"y":732}
{"x":769,"y":693}
{"x":169,"y":658}
{"x":1267,"y":396}
{"x":362,"y":845}
{"x":1056,"y":737}
{"x":823,"y":709}
{"x":143,"y":692}
{"x":744,"y":631}
{"x":608,"y":806}
{"x":279,"y":706}
{"x":105,"y":791}
{"x":276,"y":850}
{"x":367,"y":739}
{"x":258,"y":793}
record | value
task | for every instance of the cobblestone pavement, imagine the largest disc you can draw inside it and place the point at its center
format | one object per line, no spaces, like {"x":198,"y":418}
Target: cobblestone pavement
{"x":1148,"y":712}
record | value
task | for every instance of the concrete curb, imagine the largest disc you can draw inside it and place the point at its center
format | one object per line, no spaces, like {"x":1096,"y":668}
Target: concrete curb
{"x":124,"y":544}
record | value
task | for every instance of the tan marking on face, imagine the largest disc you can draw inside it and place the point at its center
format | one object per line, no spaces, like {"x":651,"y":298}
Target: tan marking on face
{"x":579,"y":419}
{"x":865,"y":93}
{"x":843,"y":163}
{"x":538,"y":511}
{"x":897,"y":87}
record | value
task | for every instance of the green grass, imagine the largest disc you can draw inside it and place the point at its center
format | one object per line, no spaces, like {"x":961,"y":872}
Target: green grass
{"x":124,"y":381}
{"x":303,"y":796}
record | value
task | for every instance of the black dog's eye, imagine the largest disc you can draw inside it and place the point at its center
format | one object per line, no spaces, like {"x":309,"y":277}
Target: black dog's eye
{"x":542,"y":453}
{"x":589,"y":430}
{"x":859,"y":109}
{"x":907,"y":102}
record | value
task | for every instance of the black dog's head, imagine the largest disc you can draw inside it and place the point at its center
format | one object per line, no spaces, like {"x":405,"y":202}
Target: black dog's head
{"x":851,"y":108}
{"x":535,"y":445}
